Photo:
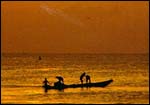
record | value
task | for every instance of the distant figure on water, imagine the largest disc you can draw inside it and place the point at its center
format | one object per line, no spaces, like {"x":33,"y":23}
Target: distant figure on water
{"x":88,"y":79}
{"x":81,"y":77}
{"x":40,"y":58}
{"x":46,"y":84}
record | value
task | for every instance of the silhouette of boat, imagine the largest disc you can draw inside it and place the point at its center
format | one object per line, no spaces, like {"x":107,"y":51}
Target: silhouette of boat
{"x":64,"y":86}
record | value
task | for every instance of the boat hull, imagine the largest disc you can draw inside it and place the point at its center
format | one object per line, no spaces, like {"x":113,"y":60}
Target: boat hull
{"x":97,"y":84}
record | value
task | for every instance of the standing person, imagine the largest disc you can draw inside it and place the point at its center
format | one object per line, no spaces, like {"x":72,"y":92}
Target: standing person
{"x":81,"y":77}
{"x":88,"y":79}
{"x":46,"y":84}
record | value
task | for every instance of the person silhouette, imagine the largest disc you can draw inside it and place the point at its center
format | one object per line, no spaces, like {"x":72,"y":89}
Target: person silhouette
{"x":45,"y":84}
{"x":81,"y":77}
{"x":60,"y":79}
{"x":88,"y":79}
{"x":60,"y":83}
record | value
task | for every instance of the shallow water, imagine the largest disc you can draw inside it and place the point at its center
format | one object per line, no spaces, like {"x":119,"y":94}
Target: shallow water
{"x":22,"y":76}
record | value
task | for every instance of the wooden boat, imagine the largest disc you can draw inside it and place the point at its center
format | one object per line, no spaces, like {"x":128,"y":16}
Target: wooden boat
{"x":64,"y":86}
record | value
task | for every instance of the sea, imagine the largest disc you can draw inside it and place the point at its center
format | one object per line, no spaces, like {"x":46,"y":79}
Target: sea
{"x":22,"y":77}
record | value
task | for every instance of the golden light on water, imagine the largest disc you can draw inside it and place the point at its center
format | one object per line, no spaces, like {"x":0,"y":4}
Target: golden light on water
{"x":45,"y":39}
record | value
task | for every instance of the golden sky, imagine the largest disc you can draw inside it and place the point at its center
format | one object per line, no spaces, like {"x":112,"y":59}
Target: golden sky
{"x":75,"y":26}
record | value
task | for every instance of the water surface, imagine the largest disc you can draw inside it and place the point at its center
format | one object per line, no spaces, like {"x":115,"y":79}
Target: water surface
{"x":22,"y":76}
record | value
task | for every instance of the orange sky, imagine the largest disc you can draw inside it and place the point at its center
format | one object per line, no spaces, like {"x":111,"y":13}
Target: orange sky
{"x":75,"y":27}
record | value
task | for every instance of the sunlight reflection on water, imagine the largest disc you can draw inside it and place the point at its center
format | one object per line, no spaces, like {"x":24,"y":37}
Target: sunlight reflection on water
{"x":21,"y":83}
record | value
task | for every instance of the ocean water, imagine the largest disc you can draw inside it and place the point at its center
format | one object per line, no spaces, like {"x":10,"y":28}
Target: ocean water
{"x":22,"y":76}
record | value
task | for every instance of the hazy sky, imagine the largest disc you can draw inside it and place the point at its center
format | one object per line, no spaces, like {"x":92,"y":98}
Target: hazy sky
{"x":75,"y":27}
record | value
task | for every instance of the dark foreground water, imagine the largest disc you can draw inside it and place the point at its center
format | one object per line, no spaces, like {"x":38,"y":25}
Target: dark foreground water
{"x":22,"y":76}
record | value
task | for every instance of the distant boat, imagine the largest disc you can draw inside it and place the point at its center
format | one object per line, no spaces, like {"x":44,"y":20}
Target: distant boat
{"x":63,"y":86}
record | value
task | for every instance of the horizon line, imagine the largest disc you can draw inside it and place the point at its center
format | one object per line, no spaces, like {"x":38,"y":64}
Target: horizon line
{"x":67,"y":53}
